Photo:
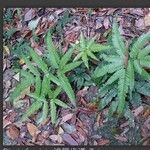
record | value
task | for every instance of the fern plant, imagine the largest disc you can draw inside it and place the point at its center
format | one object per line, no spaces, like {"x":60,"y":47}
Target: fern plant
{"x":121,"y":65}
{"x":49,"y":80}
{"x":86,"y":49}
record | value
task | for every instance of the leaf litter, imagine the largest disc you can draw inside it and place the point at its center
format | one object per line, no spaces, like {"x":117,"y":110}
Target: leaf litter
{"x":74,"y":128}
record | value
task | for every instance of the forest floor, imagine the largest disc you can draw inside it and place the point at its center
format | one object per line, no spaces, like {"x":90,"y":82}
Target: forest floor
{"x":87,"y":126}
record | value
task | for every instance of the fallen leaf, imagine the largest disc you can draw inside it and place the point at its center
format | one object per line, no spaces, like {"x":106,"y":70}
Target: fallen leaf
{"x":147,"y":20}
{"x":69,"y":140}
{"x":29,"y":15}
{"x":98,"y":23}
{"x":106,"y":23}
{"x":66,"y":118}
{"x":138,"y":110}
{"x":32,"y":129}
{"x":140,"y":23}
{"x":6,"y":123}
{"x":82,"y":92}
{"x":59,"y":139}
{"x":12,"y":132}
{"x":21,"y":61}
{"x":53,"y":137}
{"x":103,"y":142}
{"x":7,"y":84}
{"x":33,"y":23}
{"x":17,"y":77}
{"x":6,"y":49}
{"x":146,"y":112}
{"x":69,"y":128}
{"x":147,"y":123}
{"x":60,"y":131}
{"x":121,"y":138}
{"x":25,"y":92}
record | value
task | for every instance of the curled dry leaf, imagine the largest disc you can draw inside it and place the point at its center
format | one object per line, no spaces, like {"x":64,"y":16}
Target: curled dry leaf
{"x":12,"y":132}
{"x":6,"y":122}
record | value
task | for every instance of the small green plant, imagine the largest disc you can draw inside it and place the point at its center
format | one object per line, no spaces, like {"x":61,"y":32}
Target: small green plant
{"x":8,"y":15}
{"x":60,"y":24}
{"x":120,"y":69}
{"x":80,"y":77}
{"x":48,"y":79}
{"x":86,"y":49}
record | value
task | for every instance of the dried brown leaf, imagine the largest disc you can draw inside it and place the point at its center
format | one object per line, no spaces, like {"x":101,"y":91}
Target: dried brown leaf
{"x":12,"y":132}
{"x":32,"y":129}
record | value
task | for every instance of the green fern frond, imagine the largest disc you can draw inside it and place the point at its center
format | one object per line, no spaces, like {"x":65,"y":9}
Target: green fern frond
{"x":61,"y":103}
{"x":32,"y":109}
{"x":26,"y":74}
{"x":95,"y":47}
{"x":90,"y":54}
{"x":38,"y":60}
{"x":66,"y":57}
{"x":114,"y":77}
{"x":71,"y":66}
{"x":24,"y":84}
{"x":67,"y":87}
{"x":56,"y":92}
{"x":143,"y":88}
{"x":38,"y":85}
{"x":91,"y":41}
{"x":78,"y":56}
{"x":122,"y":91}
{"x":139,"y":44}
{"x":54,"y":79}
{"x":82,"y":41}
{"x":112,"y":58}
{"x":45,"y":111}
{"x":145,"y":75}
{"x":144,"y":52}
{"x":117,"y":40}
{"x":107,"y":99}
{"x":85,"y":60}
{"x":104,"y":89}
{"x":113,"y":108}
{"x":53,"y":112}
{"x":45,"y":85}
{"x":130,"y":76}
{"x":137,"y":67}
{"x":145,"y":63}
{"x":30,"y":66}
{"x":52,"y":51}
